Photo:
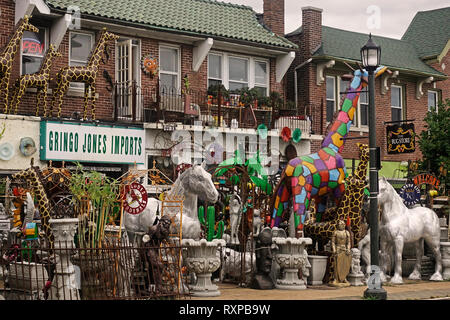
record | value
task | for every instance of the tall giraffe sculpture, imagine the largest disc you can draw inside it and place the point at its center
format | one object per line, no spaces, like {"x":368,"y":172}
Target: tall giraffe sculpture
{"x":349,"y":206}
{"x":39,"y":80}
{"x":320,"y":173}
{"x":33,"y":177}
{"x":86,"y":74}
{"x":7,"y":57}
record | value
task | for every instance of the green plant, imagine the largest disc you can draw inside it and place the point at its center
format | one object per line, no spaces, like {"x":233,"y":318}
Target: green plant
{"x":264,"y":101}
{"x":94,"y":197}
{"x":213,"y":90}
{"x":248,"y":96}
{"x":210,"y":222}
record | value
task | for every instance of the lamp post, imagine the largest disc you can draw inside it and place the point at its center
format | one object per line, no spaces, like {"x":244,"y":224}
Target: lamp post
{"x":370,"y":56}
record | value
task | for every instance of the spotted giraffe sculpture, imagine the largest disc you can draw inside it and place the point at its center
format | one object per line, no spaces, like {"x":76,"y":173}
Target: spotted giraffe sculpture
{"x":86,"y":74}
{"x":321,"y":173}
{"x":33,"y":177}
{"x":7,"y":57}
{"x":37,"y":80}
{"x":349,"y":206}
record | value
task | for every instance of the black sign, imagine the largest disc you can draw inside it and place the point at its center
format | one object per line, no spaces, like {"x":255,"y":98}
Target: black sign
{"x":400,"y":138}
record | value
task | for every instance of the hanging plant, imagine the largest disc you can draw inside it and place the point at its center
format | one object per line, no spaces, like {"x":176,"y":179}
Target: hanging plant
{"x":149,"y":65}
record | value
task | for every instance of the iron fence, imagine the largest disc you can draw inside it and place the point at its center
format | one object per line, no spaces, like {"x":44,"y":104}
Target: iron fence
{"x":31,"y":271}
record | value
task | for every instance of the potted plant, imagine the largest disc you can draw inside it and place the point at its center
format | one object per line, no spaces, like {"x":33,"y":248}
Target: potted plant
{"x":213,"y":92}
{"x":248,"y":96}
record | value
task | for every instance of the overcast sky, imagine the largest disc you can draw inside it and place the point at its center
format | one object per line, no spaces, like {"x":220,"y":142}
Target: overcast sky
{"x":389,"y":18}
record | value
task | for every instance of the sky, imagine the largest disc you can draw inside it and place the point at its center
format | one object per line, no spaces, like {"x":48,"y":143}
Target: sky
{"x":388,"y":18}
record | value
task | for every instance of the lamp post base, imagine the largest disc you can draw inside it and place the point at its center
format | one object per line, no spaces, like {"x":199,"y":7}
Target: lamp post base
{"x":375,"y":294}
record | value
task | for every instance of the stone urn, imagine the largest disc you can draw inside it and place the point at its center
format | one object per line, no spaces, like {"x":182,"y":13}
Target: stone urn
{"x":201,"y":258}
{"x":292,"y":257}
{"x":64,"y":286}
{"x":317,"y":270}
{"x":445,"y":252}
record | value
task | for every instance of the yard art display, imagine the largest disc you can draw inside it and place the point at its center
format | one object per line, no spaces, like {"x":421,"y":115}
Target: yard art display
{"x":86,"y":74}
{"x":37,"y":80}
{"x":400,"y":225}
{"x":7,"y":57}
{"x":321,"y":173}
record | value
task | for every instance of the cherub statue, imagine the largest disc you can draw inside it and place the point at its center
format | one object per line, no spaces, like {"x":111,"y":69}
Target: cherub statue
{"x":341,"y":250}
{"x":356,"y":276}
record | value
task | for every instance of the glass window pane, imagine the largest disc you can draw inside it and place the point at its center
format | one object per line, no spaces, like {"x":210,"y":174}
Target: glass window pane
{"x":237,"y":86}
{"x":396,"y":114}
{"x":330,"y":88}
{"x":212,"y":82}
{"x":31,"y":64}
{"x":169,"y":60}
{"x":364,"y":115}
{"x":80,"y":48}
{"x":395,"y":97}
{"x":238,"y":69}
{"x":168,"y":82}
{"x":343,"y":86}
{"x":330,"y":110}
{"x":364,"y":98}
{"x":261,"y":72}
{"x":432,"y":100}
{"x":34,"y":43}
{"x":262,"y":91}
{"x":215,"y":66}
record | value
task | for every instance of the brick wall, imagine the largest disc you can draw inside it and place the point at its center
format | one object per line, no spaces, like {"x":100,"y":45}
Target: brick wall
{"x":444,"y":67}
{"x":274,"y":15}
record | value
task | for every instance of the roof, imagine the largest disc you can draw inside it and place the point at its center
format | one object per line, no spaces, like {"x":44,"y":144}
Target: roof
{"x":346,"y":45}
{"x":198,"y":17}
{"x":429,"y":31}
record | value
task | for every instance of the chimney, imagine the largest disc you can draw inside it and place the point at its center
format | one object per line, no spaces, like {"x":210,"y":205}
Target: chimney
{"x":274,"y":16}
{"x":311,"y":29}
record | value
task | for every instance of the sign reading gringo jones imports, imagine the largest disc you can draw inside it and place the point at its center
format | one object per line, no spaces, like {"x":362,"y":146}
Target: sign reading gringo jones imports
{"x":400,"y":138}
{"x":83,"y":142}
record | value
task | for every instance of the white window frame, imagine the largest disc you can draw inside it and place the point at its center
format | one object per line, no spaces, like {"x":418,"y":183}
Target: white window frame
{"x":401,"y":102}
{"x":73,"y":87}
{"x":221,"y":68}
{"x":248,"y":71}
{"x":262,"y":85}
{"x":46,"y":39}
{"x":335,"y":105}
{"x":178,"y":73}
{"x":436,"y":94}
{"x":251,"y":69}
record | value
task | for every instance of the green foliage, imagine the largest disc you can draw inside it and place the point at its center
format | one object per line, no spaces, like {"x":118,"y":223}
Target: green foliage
{"x":213,"y":90}
{"x":248,"y":96}
{"x":209,"y":222}
{"x":434,"y":142}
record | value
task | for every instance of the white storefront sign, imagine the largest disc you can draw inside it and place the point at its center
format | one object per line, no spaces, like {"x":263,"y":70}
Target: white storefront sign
{"x":84,"y":142}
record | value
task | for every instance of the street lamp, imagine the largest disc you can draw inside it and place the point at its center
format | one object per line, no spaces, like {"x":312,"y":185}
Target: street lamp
{"x":370,"y":57}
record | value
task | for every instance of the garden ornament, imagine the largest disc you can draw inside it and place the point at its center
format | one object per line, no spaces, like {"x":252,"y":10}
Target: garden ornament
{"x":341,"y":250}
{"x":257,"y":222}
{"x":320,"y":173}
{"x":235,"y":217}
{"x":400,"y":225}
{"x":8,"y":55}
{"x":27,"y":146}
{"x":264,"y":256}
{"x":6,"y":151}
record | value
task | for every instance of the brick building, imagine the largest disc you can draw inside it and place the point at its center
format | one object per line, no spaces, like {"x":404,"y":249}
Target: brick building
{"x":418,"y":79}
{"x":204,"y":42}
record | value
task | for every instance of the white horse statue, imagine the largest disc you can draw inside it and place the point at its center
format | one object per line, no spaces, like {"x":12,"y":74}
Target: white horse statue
{"x":192,"y":184}
{"x":400,"y":225}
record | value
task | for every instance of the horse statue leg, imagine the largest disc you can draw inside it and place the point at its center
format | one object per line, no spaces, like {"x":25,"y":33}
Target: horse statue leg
{"x":398,"y":245}
{"x":415,"y":275}
{"x":434,"y":244}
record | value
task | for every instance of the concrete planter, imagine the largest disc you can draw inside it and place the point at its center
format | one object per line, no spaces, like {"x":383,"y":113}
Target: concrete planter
{"x":318,"y":268}
{"x":27,"y":276}
{"x":445,"y":251}
{"x":201,"y":258}
{"x":291,"y":257}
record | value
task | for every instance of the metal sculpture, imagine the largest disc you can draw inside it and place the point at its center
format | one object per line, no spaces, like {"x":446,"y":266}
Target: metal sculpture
{"x":320,"y":173}
{"x":86,"y":74}
{"x":39,"y":80}
{"x":400,"y":225}
{"x":8,"y":55}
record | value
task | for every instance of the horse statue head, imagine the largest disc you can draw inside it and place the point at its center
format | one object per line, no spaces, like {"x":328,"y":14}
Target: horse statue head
{"x":196,"y":180}
{"x":386,"y":192}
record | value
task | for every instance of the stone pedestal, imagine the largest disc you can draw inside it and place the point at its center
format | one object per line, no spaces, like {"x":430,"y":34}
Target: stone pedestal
{"x":201,"y":258}
{"x":291,"y":257}
{"x":26,"y":280}
{"x":444,"y":229}
{"x":356,"y":277}
{"x":64,"y":285}
{"x":317,"y":270}
{"x":445,"y":252}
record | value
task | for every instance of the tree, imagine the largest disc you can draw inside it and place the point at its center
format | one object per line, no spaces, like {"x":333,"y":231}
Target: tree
{"x":434,"y":142}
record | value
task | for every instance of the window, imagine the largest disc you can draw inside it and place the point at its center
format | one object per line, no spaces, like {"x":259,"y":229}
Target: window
{"x":169,"y":69}
{"x":80,"y":48}
{"x":331,"y":97}
{"x":34,"y":46}
{"x":396,"y":103}
{"x":237,"y":72}
{"x":432,"y":101}
{"x":364,"y":108}
{"x":214,"y":69}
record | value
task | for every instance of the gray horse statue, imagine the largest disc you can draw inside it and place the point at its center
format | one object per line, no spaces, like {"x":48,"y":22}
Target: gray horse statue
{"x":192,"y":184}
{"x":400,"y":225}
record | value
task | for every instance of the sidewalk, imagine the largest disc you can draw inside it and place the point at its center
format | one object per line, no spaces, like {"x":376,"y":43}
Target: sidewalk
{"x":410,"y":290}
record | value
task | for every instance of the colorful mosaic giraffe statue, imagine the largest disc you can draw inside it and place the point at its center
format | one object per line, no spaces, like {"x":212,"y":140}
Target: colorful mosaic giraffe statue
{"x":7,"y":57}
{"x":348,"y":208}
{"x":33,"y":177}
{"x":320,"y":173}
{"x":37,"y":80}
{"x":86,"y":74}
